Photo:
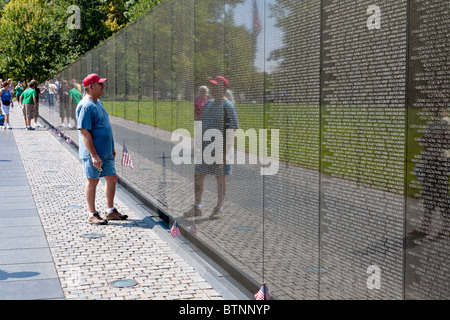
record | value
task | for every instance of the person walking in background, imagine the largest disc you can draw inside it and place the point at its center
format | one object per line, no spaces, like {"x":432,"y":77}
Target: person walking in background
{"x":97,"y":149}
{"x":28,"y":99}
{"x":11,"y":87}
{"x":6,"y":102}
{"x":19,"y":90}
{"x":77,"y":85}
{"x":52,"y":89}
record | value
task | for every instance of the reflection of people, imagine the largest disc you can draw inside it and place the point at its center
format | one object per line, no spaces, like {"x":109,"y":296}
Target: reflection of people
{"x":74,"y":98}
{"x":97,"y":149}
{"x":52,"y":89}
{"x":6,"y":102}
{"x":219,"y":114}
{"x":36,"y":109}
{"x":64,"y":103}
{"x":76,"y":85}
{"x":230,"y":96}
{"x":199,"y":102}
{"x":434,"y":167}
{"x":28,"y":99}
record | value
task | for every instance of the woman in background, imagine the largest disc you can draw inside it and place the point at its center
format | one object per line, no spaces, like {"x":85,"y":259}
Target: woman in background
{"x":6,"y":102}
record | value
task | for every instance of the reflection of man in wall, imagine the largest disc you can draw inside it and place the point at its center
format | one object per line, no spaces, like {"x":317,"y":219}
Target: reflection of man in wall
{"x":219,"y":114}
{"x":434,"y":168}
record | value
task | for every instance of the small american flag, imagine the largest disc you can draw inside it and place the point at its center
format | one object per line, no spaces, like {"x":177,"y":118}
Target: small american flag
{"x":126,"y":159}
{"x":263,"y":293}
{"x":175,"y":231}
{"x":194,"y":229}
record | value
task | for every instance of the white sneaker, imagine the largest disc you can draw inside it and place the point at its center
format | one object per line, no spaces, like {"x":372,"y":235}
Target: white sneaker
{"x":70,"y":126}
{"x":8,"y":126}
{"x":37,"y":125}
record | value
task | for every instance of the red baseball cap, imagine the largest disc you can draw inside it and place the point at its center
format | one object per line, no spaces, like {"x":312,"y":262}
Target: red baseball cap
{"x":91,"y":79}
{"x":220,"y":81}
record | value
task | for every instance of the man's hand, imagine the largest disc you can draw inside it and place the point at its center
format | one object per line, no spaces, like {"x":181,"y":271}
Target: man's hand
{"x":87,"y":139}
{"x":96,"y":161}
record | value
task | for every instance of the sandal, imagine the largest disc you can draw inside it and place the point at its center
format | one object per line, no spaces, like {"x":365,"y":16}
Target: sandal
{"x":217,"y":214}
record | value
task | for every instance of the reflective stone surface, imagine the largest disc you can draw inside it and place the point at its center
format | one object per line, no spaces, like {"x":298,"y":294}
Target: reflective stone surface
{"x":339,"y":187}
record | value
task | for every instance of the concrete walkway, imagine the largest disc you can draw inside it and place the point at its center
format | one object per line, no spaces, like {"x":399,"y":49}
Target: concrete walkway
{"x":27,"y":270}
{"x":44,"y":253}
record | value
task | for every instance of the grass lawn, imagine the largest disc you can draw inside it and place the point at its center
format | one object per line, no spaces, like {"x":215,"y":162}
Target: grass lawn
{"x":365,"y":144}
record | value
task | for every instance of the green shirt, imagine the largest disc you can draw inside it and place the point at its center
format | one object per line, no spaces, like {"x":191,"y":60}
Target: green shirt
{"x":75,"y":95}
{"x":19,"y":90}
{"x":28,"y":95}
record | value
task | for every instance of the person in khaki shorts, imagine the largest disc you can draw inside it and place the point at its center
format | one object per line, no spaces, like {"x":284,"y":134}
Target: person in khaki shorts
{"x":28,"y":99}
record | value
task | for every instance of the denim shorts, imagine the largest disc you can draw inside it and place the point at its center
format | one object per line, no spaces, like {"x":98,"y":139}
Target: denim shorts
{"x":214,"y":169}
{"x":108,"y":165}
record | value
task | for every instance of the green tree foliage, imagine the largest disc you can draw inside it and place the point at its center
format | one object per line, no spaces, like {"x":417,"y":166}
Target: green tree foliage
{"x":28,"y":36}
{"x":135,"y":8}
{"x":121,"y":12}
{"x":115,"y":12}
{"x":36,"y":42}
{"x":2,"y":4}
{"x":78,"y":41}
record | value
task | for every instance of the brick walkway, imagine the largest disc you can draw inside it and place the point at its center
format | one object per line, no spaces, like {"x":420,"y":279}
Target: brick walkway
{"x":127,"y":250}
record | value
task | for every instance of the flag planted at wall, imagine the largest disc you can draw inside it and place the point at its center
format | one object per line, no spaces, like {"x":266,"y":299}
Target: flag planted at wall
{"x":126,"y":159}
{"x":263,"y":293}
{"x":175,"y":231}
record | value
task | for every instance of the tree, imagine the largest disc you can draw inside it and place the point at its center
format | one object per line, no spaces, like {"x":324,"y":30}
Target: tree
{"x":135,"y":8}
{"x":93,"y":29}
{"x":115,"y":12}
{"x":36,"y":42}
{"x":122,"y":12}
{"x":28,"y":34}
{"x":2,"y":4}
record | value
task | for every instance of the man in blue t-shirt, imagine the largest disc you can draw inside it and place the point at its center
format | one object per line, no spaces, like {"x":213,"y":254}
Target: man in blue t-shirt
{"x":97,"y":149}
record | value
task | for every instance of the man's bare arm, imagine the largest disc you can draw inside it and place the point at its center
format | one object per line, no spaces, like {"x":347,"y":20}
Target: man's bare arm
{"x":87,"y":139}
